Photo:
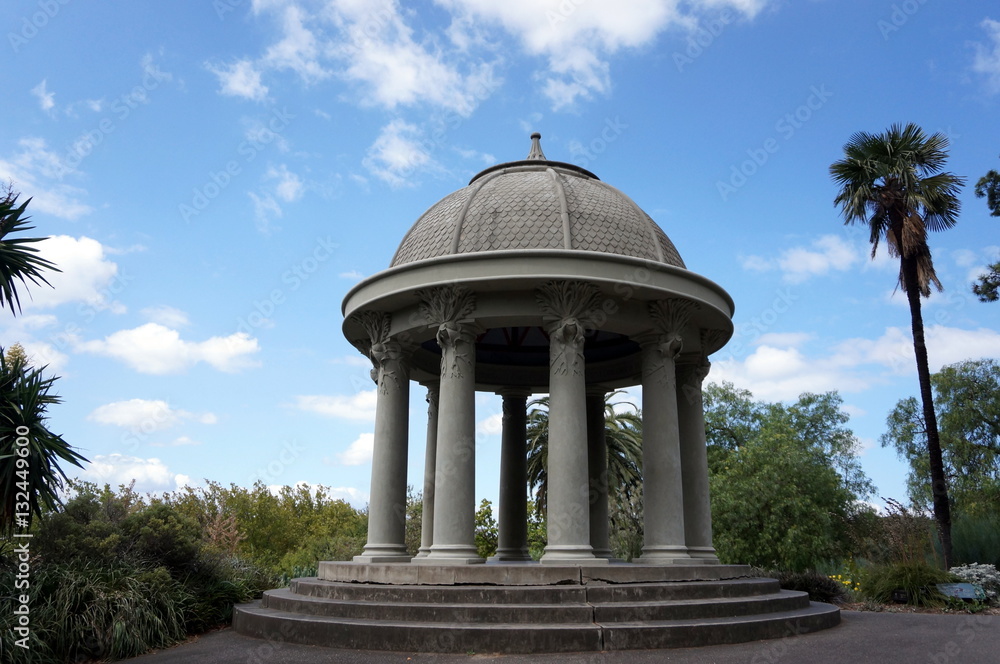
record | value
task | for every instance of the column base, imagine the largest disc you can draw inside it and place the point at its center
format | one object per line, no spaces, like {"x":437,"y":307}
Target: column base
{"x":451,"y":554}
{"x":703,"y":555}
{"x":512,"y":555}
{"x":423,"y":552}
{"x":364,"y":558}
{"x":666,"y":555}
{"x":581,"y":554}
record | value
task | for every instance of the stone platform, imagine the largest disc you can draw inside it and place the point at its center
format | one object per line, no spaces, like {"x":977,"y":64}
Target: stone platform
{"x":529,"y":608}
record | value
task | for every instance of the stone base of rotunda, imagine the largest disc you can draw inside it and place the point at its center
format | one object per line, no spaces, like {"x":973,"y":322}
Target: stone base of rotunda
{"x":508,"y":607}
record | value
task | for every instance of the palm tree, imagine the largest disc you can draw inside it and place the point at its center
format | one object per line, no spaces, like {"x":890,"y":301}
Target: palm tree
{"x":893,"y":183}
{"x":622,"y":432}
{"x":30,"y":477}
{"x":30,"y":481}
{"x":18,"y":260}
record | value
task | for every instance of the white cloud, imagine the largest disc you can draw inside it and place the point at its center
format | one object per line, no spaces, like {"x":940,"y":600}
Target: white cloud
{"x":180,"y":441}
{"x":239,"y":79}
{"x":166,"y":315}
{"x":397,"y":153}
{"x":299,"y":49}
{"x":853,"y":365}
{"x":372,"y":44}
{"x":289,"y":187}
{"x":46,"y":99}
{"x":86,"y":275}
{"x":785,"y":339}
{"x":359,"y":452}
{"x":578,"y":37}
{"x":155,"y":349}
{"x":491,"y":425}
{"x":353,"y":275}
{"x":360,"y":406}
{"x":826,"y":254}
{"x":987,"y":59}
{"x":146,"y":415}
{"x":265,"y":210}
{"x":39,"y":172}
{"x":150,"y":475}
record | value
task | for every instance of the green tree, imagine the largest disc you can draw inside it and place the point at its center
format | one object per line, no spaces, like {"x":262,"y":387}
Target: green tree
{"x":19,"y":261}
{"x":893,"y":182}
{"x":785,"y":479}
{"x":987,"y":287}
{"x":622,"y":432}
{"x":487,"y":530}
{"x":967,"y":401}
{"x":30,"y":453}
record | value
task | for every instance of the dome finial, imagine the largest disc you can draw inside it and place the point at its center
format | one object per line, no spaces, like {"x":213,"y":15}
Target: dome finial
{"x":536,"y":148}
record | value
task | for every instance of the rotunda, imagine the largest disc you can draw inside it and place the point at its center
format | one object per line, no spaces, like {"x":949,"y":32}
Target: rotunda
{"x":536,"y":278}
{"x":539,"y":278}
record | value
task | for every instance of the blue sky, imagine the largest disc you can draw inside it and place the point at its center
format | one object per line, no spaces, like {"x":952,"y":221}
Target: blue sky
{"x":215,"y":176}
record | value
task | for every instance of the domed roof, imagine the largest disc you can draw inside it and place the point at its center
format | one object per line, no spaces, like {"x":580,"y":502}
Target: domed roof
{"x":536,"y":204}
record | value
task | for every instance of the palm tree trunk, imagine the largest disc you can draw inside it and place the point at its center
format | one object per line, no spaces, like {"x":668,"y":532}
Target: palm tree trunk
{"x":939,"y":485}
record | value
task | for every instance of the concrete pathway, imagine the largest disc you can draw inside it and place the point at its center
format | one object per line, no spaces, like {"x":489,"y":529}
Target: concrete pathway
{"x":861,"y":638}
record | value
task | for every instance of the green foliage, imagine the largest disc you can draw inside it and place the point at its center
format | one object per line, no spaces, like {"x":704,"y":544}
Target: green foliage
{"x":622,"y":434}
{"x":976,"y":538}
{"x":98,"y":609}
{"x":988,"y":187}
{"x":785,"y":480}
{"x":317,"y":548}
{"x":917,"y":580}
{"x":414,"y":521}
{"x":967,"y":403}
{"x":487,"y":533}
{"x":31,"y":469}
{"x":19,"y":261}
{"x":162,"y":535}
{"x":821,"y":588}
{"x":272,"y":526}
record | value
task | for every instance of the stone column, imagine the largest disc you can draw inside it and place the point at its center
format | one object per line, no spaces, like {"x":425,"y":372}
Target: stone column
{"x":387,"y":504}
{"x":455,"y":470}
{"x":597,"y":464}
{"x":513,"y":540}
{"x":663,"y":496}
{"x":568,"y":306}
{"x":430,"y":459}
{"x":694,"y":461}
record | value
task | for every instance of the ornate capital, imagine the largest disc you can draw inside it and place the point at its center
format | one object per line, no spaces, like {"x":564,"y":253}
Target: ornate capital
{"x":711,"y":339}
{"x":443,"y":304}
{"x":670,"y":317}
{"x":433,"y":393}
{"x":563,"y":301}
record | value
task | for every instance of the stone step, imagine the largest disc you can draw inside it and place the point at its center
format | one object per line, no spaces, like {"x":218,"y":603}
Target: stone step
{"x":557,"y":594}
{"x":684,"y":590}
{"x":256,"y":621}
{"x":717,"y":631}
{"x":717,"y":607}
{"x":567,"y":612}
{"x":459,"y":637}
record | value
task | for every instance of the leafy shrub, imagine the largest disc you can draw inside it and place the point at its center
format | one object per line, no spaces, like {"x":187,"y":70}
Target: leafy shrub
{"x":303,"y":561}
{"x":821,"y":588}
{"x":985,"y":576}
{"x":918,"y":580}
{"x":98,"y":610}
{"x":162,"y":535}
